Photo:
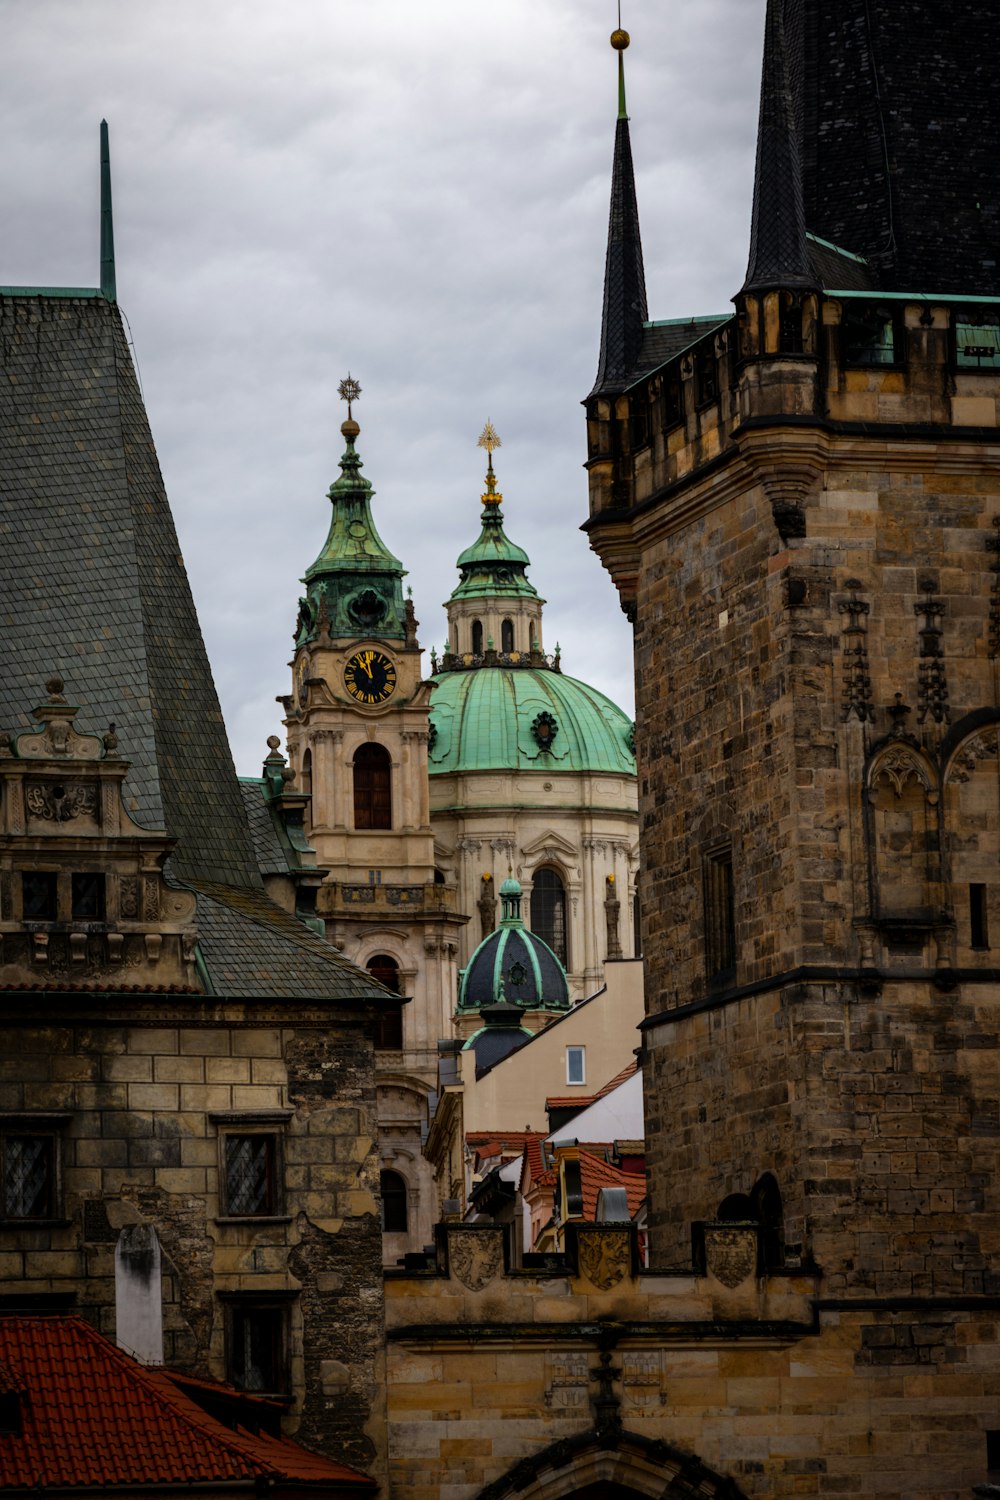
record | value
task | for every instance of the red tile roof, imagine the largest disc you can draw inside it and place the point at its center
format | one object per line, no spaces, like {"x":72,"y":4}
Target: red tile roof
{"x":582,"y":1101}
{"x":92,"y":1416}
{"x":596,"y":1174}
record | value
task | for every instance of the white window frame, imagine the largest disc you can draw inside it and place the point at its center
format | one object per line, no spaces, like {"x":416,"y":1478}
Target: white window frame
{"x":581,"y":1054}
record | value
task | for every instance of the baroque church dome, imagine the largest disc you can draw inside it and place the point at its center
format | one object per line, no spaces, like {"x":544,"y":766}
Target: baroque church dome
{"x":513,"y":965}
{"x":499,"y":702}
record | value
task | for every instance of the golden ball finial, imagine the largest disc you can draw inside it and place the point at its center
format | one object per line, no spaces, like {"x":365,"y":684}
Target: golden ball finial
{"x":619,"y":39}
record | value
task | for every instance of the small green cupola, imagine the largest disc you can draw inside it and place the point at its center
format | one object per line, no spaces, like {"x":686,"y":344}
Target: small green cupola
{"x":354,"y":588}
{"x":494,"y":613}
{"x":513,"y":965}
{"x":493,"y":565}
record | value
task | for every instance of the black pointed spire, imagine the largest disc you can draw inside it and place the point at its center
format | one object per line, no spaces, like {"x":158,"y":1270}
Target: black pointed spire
{"x":108,"y":288}
{"x":778,"y":251}
{"x":624,"y":280}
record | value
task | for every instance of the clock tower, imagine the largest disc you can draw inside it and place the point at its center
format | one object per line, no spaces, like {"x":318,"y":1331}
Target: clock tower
{"x":358,"y":729}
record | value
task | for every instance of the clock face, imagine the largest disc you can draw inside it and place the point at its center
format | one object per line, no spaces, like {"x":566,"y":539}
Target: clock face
{"x":370,"y":677}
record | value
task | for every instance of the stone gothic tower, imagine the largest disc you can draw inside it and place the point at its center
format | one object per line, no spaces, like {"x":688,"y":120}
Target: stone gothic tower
{"x":800,"y":505}
{"x":357,"y":740}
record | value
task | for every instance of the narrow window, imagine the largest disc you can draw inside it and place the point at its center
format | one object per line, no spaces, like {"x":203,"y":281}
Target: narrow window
{"x":637,"y":924}
{"x":28,"y":1177}
{"x":993,"y":1450}
{"x":548,"y":912}
{"x":38,"y":895}
{"x":395,"y":1216}
{"x":574,"y":1190}
{"x":706,"y":371}
{"x":372,"y":787}
{"x":576,"y":1065}
{"x":790,"y":325}
{"x":720,"y":916}
{"x":389,"y":1033}
{"x":639,"y":422}
{"x":307,"y":773}
{"x":978,"y":931}
{"x":507,"y":636}
{"x":257,"y":1348}
{"x":673,"y":400}
{"x":868,"y":335}
{"x":87,"y":897}
{"x":477,"y":637}
{"x":250,"y":1175}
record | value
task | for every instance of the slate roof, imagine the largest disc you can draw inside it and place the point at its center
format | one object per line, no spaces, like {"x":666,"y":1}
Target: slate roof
{"x":94,"y":587}
{"x":268,"y":852}
{"x":91,"y":1416}
{"x":94,"y":584}
{"x":624,"y":278}
{"x":255,"y":950}
{"x":896,"y":112}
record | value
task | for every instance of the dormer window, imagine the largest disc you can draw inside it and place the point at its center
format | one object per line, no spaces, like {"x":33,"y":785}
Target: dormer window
{"x":977,"y":340}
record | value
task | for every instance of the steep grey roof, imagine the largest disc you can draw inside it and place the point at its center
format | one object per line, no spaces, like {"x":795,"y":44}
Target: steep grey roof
{"x":897,"y":117}
{"x":624,"y":279}
{"x":270,"y":856}
{"x":94,"y":585}
{"x":254,"y":950}
{"x":662,"y":342}
{"x":778,"y":255}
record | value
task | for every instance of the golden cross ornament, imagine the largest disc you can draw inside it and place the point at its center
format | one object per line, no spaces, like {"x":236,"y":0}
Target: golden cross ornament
{"x":349,"y":390}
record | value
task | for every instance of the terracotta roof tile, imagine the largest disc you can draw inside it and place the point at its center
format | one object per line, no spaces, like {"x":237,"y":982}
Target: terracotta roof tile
{"x":595,"y":1173}
{"x":93,"y":1416}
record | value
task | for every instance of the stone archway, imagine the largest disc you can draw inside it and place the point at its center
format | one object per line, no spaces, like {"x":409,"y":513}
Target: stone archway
{"x":613,"y":1465}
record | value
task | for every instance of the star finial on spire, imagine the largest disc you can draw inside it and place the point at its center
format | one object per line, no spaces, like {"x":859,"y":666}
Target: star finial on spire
{"x":489,"y":439}
{"x":349,"y":390}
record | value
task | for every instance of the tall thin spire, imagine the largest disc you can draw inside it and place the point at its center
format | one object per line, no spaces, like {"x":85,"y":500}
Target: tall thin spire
{"x":108,"y":288}
{"x":624,"y":278}
{"x":778,"y":250}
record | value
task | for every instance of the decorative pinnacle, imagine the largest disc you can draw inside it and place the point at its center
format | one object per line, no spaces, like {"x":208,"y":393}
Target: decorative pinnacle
{"x":620,"y":40}
{"x":349,"y":390}
{"x":489,"y":439}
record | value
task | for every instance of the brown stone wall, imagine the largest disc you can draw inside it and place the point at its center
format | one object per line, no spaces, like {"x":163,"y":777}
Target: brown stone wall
{"x":752,"y":1386}
{"x":140,"y":1145}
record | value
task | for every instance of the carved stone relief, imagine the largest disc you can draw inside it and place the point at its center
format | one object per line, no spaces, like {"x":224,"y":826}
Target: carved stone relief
{"x":475,"y":1257}
{"x":730,"y":1253}
{"x":605,"y":1258}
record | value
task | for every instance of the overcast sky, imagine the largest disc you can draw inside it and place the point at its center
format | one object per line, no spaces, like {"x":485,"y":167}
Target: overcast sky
{"x":417,"y":193}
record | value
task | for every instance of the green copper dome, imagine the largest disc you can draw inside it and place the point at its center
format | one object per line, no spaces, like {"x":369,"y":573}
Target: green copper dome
{"x":512,"y":967}
{"x":354,"y":588}
{"x":516,"y":718}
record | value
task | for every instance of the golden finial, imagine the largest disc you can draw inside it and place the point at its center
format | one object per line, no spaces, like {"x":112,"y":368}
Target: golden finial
{"x":620,"y":39}
{"x":349,"y":390}
{"x":489,"y":440}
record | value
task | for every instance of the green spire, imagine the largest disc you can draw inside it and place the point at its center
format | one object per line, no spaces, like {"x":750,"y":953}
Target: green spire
{"x":108,"y":288}
{"x":354,"y":588}
{"x":493,"y":564}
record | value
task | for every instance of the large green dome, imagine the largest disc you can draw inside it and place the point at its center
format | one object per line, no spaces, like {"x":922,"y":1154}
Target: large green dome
{"x":526,"y":719}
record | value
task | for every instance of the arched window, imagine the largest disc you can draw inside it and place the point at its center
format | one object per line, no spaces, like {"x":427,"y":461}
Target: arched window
{"x":477,"y":637}
{"x":395,"y":1219}
{"x":507,"y":635}
{"x":372,"y":787}
{"x":548,"y":912}
{"x":307,"y":773}
{"x":389,"y":1035}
